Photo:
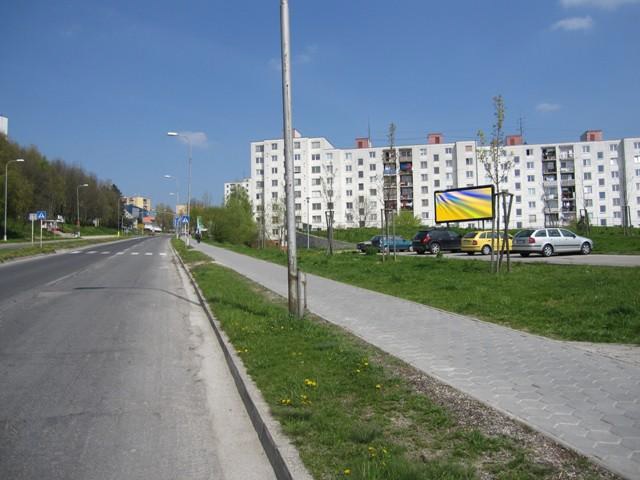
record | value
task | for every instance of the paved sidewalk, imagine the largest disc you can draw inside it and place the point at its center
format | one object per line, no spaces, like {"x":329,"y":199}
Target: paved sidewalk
{"x":585,"y":400}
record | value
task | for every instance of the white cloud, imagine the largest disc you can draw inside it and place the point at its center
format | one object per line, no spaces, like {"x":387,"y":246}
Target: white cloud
{"x":548,"y":107}
{"x":604,"y":4}
{"x":198,"y":139}
{"x":573,"y":24}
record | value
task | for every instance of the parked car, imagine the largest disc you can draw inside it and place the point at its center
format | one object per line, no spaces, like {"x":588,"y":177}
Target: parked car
{"x":396,"y":243}
{"x":547,"y":241}
{"x":482,"y":241}
{"x":382,"y":243}
{"x":435,"y":240}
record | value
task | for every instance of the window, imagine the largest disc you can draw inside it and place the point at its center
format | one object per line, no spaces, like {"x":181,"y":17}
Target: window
{"x":296,"y":169}
{"x":425,"y":202}
{"x":260,"y":172}
{"x":436,"y":157}
{"x":613,"y":161}
{"x":315,"y":194}
{"x":468,"y":161}
{"x":449,"y":175}
{"x":349,"y":180}
{"x":424,"y":164}
{"x":349,"y":205}
{"x":516,"y":172}
{"x":601,"y":182}
{"x":616,"y":202}
{"x":259,"y":148}
{"x":373,"y":192}
{"x":360,"y":174}
{"x":298,"y":206}
{"x":518,"y":198}
{"x":529,"y":152}
{"x":274,"y":195}
{"x":274,"y":170}
{"x":315,"y":169}
{"x":436,"y":170}
{"x":328,"y":156}
{"x":373,"y":179}
{"x":258,"y":197}
{"x":587,"y":175}
{"x":586,"y":149}
{"x":315,"y":157}
{"x":297,"y":182}
{"x":448,"y":150}
{"x":296,"y":157}
{"x":602,"y":195}
{"x":531,"y":178}
{"x":296,"y":145}
{"x":636,"y":145}
{"x":297,"y":194}
{"x":349,"y":168}
{"x":532,"y":191}
{"x":436,"y":183}
{"x":516,"y":159}
{"x":373,"y":217}
{"x":600,"y":155}
{"x":361,"y":186}
{"x":372,"y":167}
{"x":424,"y":177}
{"x":423,"y":152}
{"x":530,"y":166}
{"x":315,"y":181}
{"x":360,"y":162}
{"x":613,"y":147}
{"x":603,"y":209}
{"x":347,"y":156}
{"x":532,"y":204}
{"x":588,"y":202}
{"x":424,"y":189}
{"x":617,"y":215}
{"x":274,"y":146}
{"x":259,"y":160}
{"x":274,"y":183}
{"x":316,"y":218}
{"x":259,"y":184}
{"x":469,"y":174}
{"x":274,"y":158}
{"x":349,"y":193}
{"x":316,"y":206}
{"x":468,"y":148}
{"x":615,"y":174}
{"x":615,"y":188}
{"x":315,"y":144}
{"x":330,"y":181}
{"x":449,"y":163}
{"x":372,"y":154}
{"x":518,"y":212}
{"x":532,"y":219}
{"x":586,"y":162}
{"x":518,"y":185}
{"x":588,"y":189}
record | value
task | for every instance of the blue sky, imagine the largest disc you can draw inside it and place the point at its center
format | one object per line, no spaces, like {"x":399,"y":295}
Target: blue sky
{"x":99,"y":83}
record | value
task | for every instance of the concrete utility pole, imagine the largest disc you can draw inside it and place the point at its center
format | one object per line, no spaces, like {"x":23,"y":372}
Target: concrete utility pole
{"x":295,"y":307}
{"x":188,"y":139}
{"x":78,"y":205}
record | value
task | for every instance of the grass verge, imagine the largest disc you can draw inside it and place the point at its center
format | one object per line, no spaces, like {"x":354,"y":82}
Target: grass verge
{"x":347,"y":407}
{"x":567,"y":302}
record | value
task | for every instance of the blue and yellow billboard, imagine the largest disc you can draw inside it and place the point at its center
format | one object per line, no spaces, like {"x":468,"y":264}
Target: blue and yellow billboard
{"x":464,"y":204}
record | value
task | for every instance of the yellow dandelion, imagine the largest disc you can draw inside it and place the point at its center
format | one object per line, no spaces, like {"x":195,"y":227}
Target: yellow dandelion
{"x":378,"y":386}
{"x":347,"y":471}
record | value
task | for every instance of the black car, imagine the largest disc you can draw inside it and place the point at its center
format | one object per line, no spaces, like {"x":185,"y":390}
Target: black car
{"x":435,"y":240}
{"x":374,"y":242}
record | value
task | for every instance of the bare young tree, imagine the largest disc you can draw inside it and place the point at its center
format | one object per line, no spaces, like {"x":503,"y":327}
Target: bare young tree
{"x":497,"y":164}
{"x":329,"y":196}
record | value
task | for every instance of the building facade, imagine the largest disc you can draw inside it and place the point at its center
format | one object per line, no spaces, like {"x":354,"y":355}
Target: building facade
{"x":140,"y":202}
{"x":240,"y":184}
{"x":552,"y":183}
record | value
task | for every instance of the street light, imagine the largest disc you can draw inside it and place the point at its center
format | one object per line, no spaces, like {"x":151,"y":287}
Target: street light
{"x":6,"y":178}
{"x":171,"y":177}
{"x":176,"y":134}
{"x":78,"y":205}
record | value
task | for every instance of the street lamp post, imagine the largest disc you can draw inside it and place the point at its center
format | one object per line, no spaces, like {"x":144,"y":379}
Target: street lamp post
{"x":177,"y":200}
{"x":78,"y":206}
{"x":6,"y":184}
{"x":308,"y":223}
{"x":176,"y":134}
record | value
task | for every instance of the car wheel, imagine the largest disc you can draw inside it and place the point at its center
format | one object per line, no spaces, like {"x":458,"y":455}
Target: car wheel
{"x":585,"y":249}
{"x":434,"y":248}
{"x":524,"y":254}
{"x":547,"y":250}
{"x":486,"y":250}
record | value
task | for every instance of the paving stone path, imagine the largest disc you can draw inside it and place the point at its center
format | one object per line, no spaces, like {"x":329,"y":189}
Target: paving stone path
{"x":584,"y":399}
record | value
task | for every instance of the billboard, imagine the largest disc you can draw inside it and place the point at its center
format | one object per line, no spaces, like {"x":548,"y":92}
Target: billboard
{"x":464,"y":204}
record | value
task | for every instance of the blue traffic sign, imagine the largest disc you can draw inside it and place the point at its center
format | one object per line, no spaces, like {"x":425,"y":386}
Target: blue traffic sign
{"x":184,"y":219}
{"x":41,"y":215}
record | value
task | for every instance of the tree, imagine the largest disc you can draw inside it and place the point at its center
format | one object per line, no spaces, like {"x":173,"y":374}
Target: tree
{"x":497,"y":164}
{"x":328,"y":193}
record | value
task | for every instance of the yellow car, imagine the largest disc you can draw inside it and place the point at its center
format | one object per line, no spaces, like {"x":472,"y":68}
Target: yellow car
{"x":482,"y":242}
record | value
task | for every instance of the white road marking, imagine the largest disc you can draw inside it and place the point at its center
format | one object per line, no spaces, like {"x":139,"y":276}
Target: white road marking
{"x":92,"y":251}
{"x":148,"y":253}
{"x":77,"y":251}
{"x":163,"y":254}
{"x":105,"y":253}
{"x":135,"y":253}
{"x":120,"y":253}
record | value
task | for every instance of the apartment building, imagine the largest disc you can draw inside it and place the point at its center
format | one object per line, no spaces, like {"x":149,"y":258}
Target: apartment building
{"x":233,"y":186}
{"x":138,"y":201}
{"x":552,"y":183}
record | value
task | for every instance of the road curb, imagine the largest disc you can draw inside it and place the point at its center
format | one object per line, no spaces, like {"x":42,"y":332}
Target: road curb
{"x":282,"y":455}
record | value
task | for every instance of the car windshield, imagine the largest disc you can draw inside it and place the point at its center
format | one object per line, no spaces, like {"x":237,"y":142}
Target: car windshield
{"x":470,"y":235}
{"x":524,"y":233}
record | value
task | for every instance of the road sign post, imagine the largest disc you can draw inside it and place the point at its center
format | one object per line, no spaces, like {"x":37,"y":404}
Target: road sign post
{"x":32,"y":217}
{"x":41,"y":215}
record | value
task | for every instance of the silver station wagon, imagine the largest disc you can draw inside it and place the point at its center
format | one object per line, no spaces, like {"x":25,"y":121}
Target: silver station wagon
{"x":547,"y":241}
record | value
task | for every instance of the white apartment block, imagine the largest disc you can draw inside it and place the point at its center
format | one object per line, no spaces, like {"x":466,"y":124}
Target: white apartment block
{"x":552,"y":183}
{"x":233,"y":186}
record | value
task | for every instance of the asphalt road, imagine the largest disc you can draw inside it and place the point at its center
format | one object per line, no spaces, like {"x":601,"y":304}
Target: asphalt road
{"x":109,"y":370}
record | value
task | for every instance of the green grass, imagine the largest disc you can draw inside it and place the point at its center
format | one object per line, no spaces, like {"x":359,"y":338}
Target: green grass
{"x":568,"y":302}
{"x":188,"y":254}
{"x":346,"y":412}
